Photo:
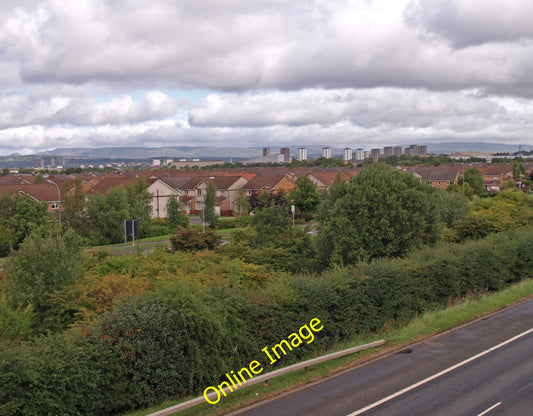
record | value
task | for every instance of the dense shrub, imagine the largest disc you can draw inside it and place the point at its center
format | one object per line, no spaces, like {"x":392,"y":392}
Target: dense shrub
{"x":189,"y":239}
{"x":184,"y":335}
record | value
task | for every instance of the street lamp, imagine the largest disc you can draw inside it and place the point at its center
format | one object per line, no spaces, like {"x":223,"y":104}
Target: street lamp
{"x":59,"y":201}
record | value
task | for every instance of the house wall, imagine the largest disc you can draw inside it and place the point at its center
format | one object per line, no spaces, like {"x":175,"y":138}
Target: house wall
{"x":161,"y":193}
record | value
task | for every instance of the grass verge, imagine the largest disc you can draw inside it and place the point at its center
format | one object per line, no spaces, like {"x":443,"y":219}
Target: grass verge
{"x":160,"y":238}
{"x":423,"y":326}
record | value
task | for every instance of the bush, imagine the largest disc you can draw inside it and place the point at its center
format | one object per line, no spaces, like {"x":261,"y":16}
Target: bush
{"x":188,"y":239}
{"x":46,"y":262}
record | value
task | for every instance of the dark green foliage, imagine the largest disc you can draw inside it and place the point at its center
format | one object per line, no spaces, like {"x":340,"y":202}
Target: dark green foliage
{"x":75,"y":216}
{"x":184,"y":331}
{"x":185,"y":336}
{"x":452,"y":207}
{"x":474,"y":179}
{"x":106,"y":213}
{"x":174,"y":215}
{"x":61,"y":374}
{"x":19,"y":216}
{"x":189,"y":239}
{"x":106,"y":216}
{"x":46,"y":262}
{"x":270,"y":223}
{"x":379,"y":213}
{"x":305,"y":197}
{"x":139,"y":207}
{"x":210,"y":200}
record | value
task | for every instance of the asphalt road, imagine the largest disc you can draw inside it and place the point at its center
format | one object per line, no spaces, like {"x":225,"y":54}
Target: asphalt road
{"x":474,"y":370}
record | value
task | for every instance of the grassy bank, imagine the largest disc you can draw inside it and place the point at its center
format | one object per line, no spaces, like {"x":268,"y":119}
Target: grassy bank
{"x":458,"y":312}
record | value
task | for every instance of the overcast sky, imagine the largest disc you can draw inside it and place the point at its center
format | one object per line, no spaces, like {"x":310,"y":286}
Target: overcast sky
{"x":359,"y":73}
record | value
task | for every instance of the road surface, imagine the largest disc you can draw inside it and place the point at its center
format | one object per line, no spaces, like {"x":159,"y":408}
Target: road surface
{"x":484,"y":368}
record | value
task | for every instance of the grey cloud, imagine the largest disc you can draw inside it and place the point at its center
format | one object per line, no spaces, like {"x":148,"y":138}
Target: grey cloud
{"x":474,"y":22}
{"x":242,"y":45}
{"x":367,"y":108}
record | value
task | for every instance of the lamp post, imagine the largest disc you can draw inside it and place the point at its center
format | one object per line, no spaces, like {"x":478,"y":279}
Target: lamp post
{"x":59,"y":201}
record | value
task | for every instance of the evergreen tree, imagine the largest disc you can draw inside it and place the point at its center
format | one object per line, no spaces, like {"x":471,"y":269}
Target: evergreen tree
{"x":209,"y":214}
{"x":174,"y":215}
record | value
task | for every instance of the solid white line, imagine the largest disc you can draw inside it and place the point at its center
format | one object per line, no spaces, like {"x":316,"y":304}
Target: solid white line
{"x":434,"y":376}
{"x":489,"y":409}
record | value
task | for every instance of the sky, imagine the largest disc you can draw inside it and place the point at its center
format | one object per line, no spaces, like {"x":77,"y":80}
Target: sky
{"x":264,"y":73}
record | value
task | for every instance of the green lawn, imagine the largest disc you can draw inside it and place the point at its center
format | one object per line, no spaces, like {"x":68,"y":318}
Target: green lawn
{"x":161,"y":238}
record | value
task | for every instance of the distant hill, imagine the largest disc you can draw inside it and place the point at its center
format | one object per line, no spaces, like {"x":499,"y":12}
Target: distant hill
{"x":239,"y":153}
{"x":475,"y":146}
{"x":213,"y":153}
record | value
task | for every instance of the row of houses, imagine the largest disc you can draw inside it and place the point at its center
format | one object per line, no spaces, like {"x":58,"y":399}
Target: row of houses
{"x":442,"y":176}
{"x":190,"y":187}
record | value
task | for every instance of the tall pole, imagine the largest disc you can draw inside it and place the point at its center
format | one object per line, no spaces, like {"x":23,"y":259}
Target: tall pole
{"x":58,"y":202}
{"x":463,"y":178}
{"x":203,"y":216}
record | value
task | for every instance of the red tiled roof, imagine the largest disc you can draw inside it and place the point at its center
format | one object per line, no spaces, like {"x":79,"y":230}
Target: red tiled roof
{"x":110,"y":182}
{"x":40,"y":191}
{"x":261,"y":182}
{"x":437,"y":174}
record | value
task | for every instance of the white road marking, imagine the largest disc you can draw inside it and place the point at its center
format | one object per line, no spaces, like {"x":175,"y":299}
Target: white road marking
{"x":489,"y":409}
{"x":434,"y":376}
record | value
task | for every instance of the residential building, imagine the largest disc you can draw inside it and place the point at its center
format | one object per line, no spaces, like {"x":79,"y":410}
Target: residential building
{"x":347,"y":154}
{"x":326,"y":152}
{"x":270,"y":183}
{"x":375,"y":154}
{"x":387,"y":151}
{"x":359,"y":154}
{"x":302,"y":153}
{"x":286,"y":153}
{"x":438,"y":177}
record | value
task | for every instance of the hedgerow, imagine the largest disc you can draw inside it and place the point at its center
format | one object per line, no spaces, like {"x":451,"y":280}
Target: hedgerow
{"x":181,"y":335}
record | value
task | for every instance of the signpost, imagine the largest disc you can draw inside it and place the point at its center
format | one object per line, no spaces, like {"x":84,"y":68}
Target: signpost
{"x":293,"y":210}
{"x":131,"y":228}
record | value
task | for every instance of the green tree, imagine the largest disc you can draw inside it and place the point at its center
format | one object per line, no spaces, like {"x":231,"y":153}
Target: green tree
{"x":106,"y":215}
{"x":74,"y":207}
{"x":209,"y":214}
{"x":518,"y":169}
{"x":379,"y":213}
{"x":242,"y":204}
{"x":47,"y":261}
{"x":270,"y":222}
{"x":475,"y":180}
{"x":174,"y":215}
{"x":139,"y":206}
{"x":19,"y":216}
{"x":452,"y":206}
{"x":305,"y":197}
{"x":4,"y":172}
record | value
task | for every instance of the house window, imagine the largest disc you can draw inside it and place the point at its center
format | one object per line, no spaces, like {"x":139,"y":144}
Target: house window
{"x":199,"y":192}
{"x":222,"y":191}
{"x":248,"y":192}
{"x":54,"y":205}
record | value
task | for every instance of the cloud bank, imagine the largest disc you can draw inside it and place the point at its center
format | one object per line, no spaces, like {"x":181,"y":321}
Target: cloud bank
{"x":341,"y":72}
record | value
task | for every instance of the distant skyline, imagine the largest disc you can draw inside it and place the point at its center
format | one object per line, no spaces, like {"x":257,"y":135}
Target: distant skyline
{"x":264,"y":73}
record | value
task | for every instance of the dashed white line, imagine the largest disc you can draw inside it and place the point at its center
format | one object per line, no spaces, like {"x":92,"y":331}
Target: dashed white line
{"x":434,"y":376}
{"x":489,"y":409}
